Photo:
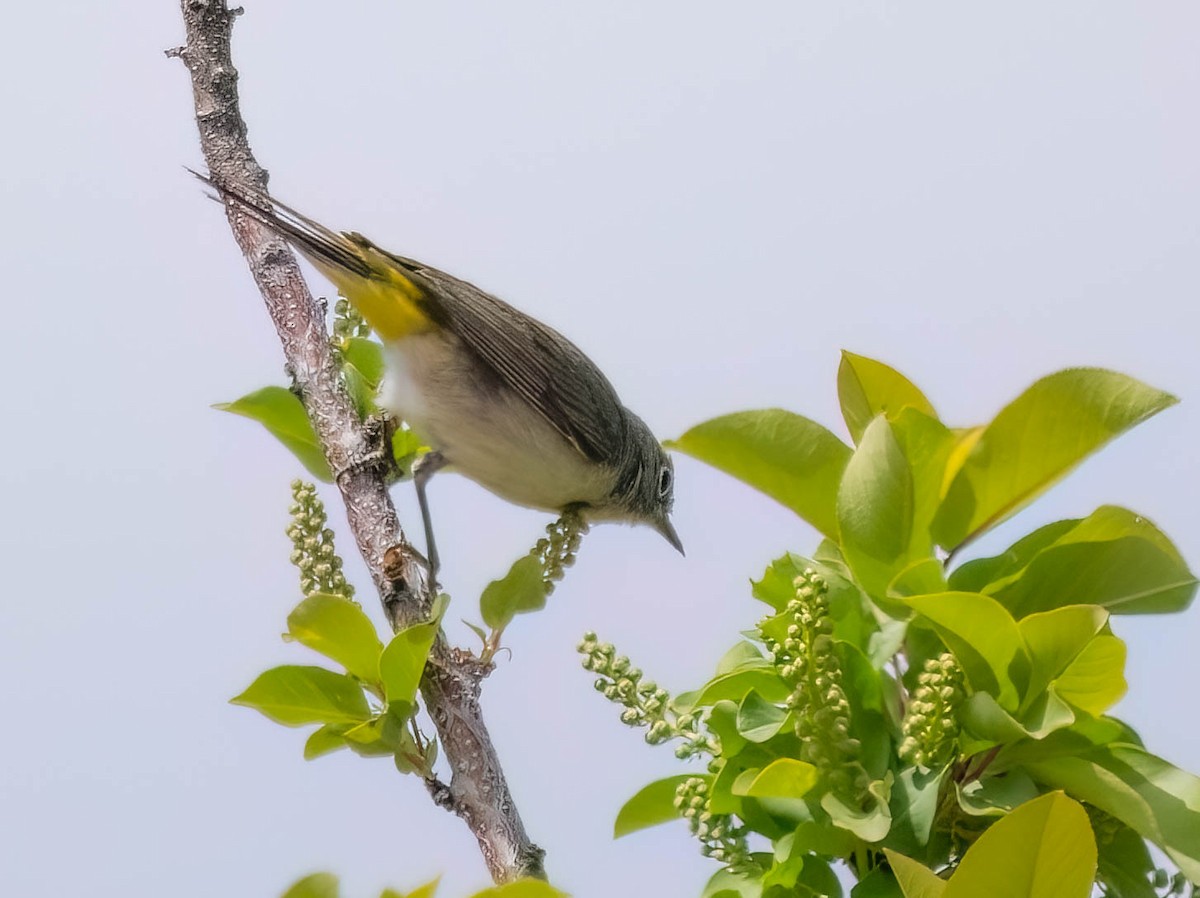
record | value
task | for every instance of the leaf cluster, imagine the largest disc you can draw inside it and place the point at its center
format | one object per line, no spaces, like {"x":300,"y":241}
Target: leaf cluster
{"x":370,"y":705}
{"x":927,"y":719}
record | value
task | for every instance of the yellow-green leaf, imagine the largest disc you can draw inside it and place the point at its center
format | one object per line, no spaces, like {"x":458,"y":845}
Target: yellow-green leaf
{"x":875,"y":508}
{"x":795,"y":461}
{"x":403,"y":661}
{"x":782,"y":778}
{"x":1095,"y":680}
{"x":283,"y":415}
{"x":521,"y":590}
{"x":318,"y":885}
{"x":867,"y":388}
{"x":1037,"y":439}
{"x":522,"y":888}
{"x":1043,"y":849}
{"x":1055,"y":638}
{"x":1158,"y":800}
{"x":652,"y":805}
{"x":916,"y":880}
{"x":325,"y":739}
{"x":295,"y":695}
{"x":1113,"y":557}
{"x":339,"y":629}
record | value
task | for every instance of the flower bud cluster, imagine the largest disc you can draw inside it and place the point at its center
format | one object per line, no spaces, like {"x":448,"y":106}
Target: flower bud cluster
{"x":347,"y":323}
{"x":313,"y":552}
{"x":646,"y":703}
{"x":721,"y":840}
{"x":806,"y":658}
{"x":558,"y":548}
{"x":930,"y":724}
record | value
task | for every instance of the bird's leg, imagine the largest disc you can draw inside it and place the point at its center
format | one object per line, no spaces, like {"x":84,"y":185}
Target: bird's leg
{"x":423,"y":469}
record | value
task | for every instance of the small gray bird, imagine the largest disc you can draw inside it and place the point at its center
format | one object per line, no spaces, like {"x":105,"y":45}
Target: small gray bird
{"x":497,"y":395}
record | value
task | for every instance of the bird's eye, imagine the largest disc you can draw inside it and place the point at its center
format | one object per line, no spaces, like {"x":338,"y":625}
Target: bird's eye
{"x":664,"y":482}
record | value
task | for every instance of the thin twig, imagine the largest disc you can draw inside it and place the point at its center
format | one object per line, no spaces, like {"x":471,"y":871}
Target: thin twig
{"x":477,"y":791}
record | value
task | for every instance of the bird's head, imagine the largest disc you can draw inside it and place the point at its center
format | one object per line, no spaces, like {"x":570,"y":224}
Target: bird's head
{"x":645,"y":489}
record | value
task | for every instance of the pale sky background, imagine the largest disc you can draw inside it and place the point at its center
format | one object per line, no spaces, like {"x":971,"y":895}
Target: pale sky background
{"x":712,"y":199}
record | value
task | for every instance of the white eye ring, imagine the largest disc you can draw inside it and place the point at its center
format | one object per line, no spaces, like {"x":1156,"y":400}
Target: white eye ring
{"x":664,"y":482}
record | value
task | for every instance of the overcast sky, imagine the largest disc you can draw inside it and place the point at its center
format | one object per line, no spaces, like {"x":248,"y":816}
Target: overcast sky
{"x":711,"y":199}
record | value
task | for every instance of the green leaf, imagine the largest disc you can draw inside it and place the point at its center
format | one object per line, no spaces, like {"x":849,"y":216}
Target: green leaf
{"x":382,"y":735}
{"x":406,"y":448}
{"x":727,"y":884}
{"x":871,"y":824}
{"x":318,"y":885}
{"x":914,"y":802}
{"x":1043,"y":849}
{"x":923,"y":577}
{"x":1036,"y":440}
{"x":982,"y":574}
{"x":875,"y":509}
{"x":722,"y":721}
{"x":403,"y":661}
{"x":1159,"y":801}
{"x":1095,"y":680}
{"x":777,"y":586}
{"x":652,"y":805}
{"x":782,"y":778}
{"x":1113,"y":558}
{"x":1054,"y":640}
{"x":984,"y":718}
{"x":426,"y":891}
{"x":783,"y":875}
{"x":867,"y":388}
{"x":983,"y":637}
{"x":744,"y":654}
{"x":929,"y":446}
{"x":736,"y":686}
{"x":758,"y":719}
{"x":295,"y":695}
{"x":995,"y":796}
{"x":325,"y":739}
{"x":362,"y":369}
{"x":916,"y":880}
{"x":522,"y":888}
{"x":522,"y":589}
{"x":367,"y":358}
{"x":820,"y":880}
{"x":1126,"y":866}
{"x":795,"y":461}
{"x":879,"y":883}
{"x":283,"y":415}
{"x":338,"y":629}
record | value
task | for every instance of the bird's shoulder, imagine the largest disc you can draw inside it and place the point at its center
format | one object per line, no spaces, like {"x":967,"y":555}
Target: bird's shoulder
{"x":538,"y":363}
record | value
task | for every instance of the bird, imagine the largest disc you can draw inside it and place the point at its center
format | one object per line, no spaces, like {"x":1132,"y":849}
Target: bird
{"x":497,"y":395}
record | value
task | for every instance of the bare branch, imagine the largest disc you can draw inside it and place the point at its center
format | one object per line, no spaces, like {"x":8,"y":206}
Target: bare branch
{"x":477,"y":792}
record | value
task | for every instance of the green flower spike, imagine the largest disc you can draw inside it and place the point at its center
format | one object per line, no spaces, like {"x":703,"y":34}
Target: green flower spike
{"x":720,"y":838}
{"x":646,"y":704}
{"x":806,"y":658}
{"x":313,"y":552}
{"x":931,"y":720}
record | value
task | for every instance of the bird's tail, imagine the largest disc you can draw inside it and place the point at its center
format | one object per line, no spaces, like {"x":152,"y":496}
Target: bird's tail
{"x":370,"y":278}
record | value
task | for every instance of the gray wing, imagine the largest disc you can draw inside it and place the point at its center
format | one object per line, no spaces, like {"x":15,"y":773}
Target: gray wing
{"x":541,"y":365}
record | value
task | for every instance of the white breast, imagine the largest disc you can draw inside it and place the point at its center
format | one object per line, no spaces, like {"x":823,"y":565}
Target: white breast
{"x":484,"y":430}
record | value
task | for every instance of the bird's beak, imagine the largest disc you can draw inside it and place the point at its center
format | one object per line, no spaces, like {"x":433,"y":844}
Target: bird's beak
{"x":664,"y":526}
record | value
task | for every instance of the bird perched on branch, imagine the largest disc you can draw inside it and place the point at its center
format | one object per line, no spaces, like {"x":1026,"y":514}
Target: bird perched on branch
{"x":497,"y":395}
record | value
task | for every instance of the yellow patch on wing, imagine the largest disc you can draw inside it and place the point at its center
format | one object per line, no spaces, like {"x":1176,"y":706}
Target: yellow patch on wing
{"x":392,"y":304}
